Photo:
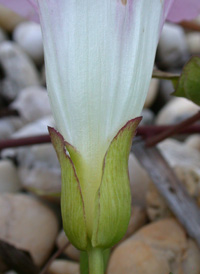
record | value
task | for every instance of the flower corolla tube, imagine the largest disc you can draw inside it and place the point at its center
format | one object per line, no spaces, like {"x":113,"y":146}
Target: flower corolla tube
{"x":99,"y":56}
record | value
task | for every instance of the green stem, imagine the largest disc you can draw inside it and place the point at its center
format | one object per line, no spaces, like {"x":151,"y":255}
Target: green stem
{"x":96,"y":261}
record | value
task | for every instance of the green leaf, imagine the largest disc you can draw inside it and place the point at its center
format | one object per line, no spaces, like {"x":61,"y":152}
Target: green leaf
{"x":113,"y":200}
{"x":188,"y":85}
{"x":72,"y":205}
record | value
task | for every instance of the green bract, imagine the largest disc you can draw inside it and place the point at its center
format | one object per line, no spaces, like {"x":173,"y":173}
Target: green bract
{"x":99,"y":218}
{"x":188,"y":85}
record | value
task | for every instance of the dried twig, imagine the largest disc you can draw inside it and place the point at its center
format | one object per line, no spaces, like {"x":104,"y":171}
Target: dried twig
{"x":175,"y":194}
{"x":54,"y":256}
{"x":190,"y":25}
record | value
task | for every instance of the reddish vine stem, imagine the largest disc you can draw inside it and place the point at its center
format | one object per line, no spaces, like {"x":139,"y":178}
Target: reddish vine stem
{"x":152,"y":141}
{"x":6,"y":112}
{"x":190,"y":25}
{"x":144,"y":131}
{"x":54,"y":256}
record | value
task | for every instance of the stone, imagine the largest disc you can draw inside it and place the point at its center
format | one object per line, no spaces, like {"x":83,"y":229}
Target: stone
{"x":178,"y":154}
{"x":19,"y":70}
{"x":139,"y":181}
{"x":28,"y":224}
{"x":39,"y":171}
{"x":172,"y":47}
{"x":63,"y":267}
{"x":6,"y":129}
{"x":193,"y":141}
{"x":70,"y":251}
{"x":175,"y":111}
{"x":43,"y":181}
{"x":28,"y":36}
{"x":137,"y":220}
{"x":8,"y":126}
{"x":39,"y":127}
{"x":156,"y":206}
{"x":8,"y":19}
{"x":160,"y":247}
{"x":147,"y":117}
{"x":193,"y":42}
{"x":9,"y":180}
{"x":32,"y":103}
{"x":151,"y":95}
{"x":165,"y":93}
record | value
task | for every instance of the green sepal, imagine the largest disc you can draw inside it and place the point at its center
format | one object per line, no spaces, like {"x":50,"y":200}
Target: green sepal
{"x":188,"y":85}
{"x":72,"y":205}
{"x":113,"y":200}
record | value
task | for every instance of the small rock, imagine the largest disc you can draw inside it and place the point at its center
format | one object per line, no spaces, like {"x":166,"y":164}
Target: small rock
{"x":32,"y":103}
{"x":28,"y":224}
{"x":139,"y":181}
{"x":172,"y":47}
{"x":151,"y":95}
{"x":8,"y":126}
{"x":160,"y":247}
{"x":37,"y":127}
{"x":137,"y":220}
{"x":63,"y":267}
{"x":8,"y":19}
{"x":179,"y":154}
{"x":18,"y":69}
{"x":193,"y":141}
{"x":193,"y":42}
{"x":147,"y":117}
{"x":9,"y":180}
{"x":156,"y":206}
{"x":70,"y":251}
{"x":6,"y":129}
{"x":42,"y":181}
{"x":175,"y":111}
{"x":165,"y":90}
{"x":39,"y":171}
{"x":28,"y":36}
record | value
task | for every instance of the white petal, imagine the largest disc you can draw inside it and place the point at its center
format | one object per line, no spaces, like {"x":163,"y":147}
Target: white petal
{"x":99,"y":58}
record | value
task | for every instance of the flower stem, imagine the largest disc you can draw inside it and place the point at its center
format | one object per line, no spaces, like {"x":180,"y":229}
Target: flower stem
{"x":96,"y":261}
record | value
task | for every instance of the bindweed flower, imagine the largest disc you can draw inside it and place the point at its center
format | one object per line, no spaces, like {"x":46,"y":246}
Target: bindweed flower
{"x":99,"y":56}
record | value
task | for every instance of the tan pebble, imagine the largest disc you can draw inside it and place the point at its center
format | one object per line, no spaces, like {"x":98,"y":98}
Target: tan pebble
{"x":175,"y":111}
{"x":8,"y":19}
{"x":28,"y":224}
{"x":160,"y":247}
{"x":63,"y":267}
{"x":70,"y":251}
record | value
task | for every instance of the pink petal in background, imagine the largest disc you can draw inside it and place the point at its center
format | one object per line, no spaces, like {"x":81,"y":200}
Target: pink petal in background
{"x":25,"y":8}
{"x":175,"y":11}
{"x":184,"y":10}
